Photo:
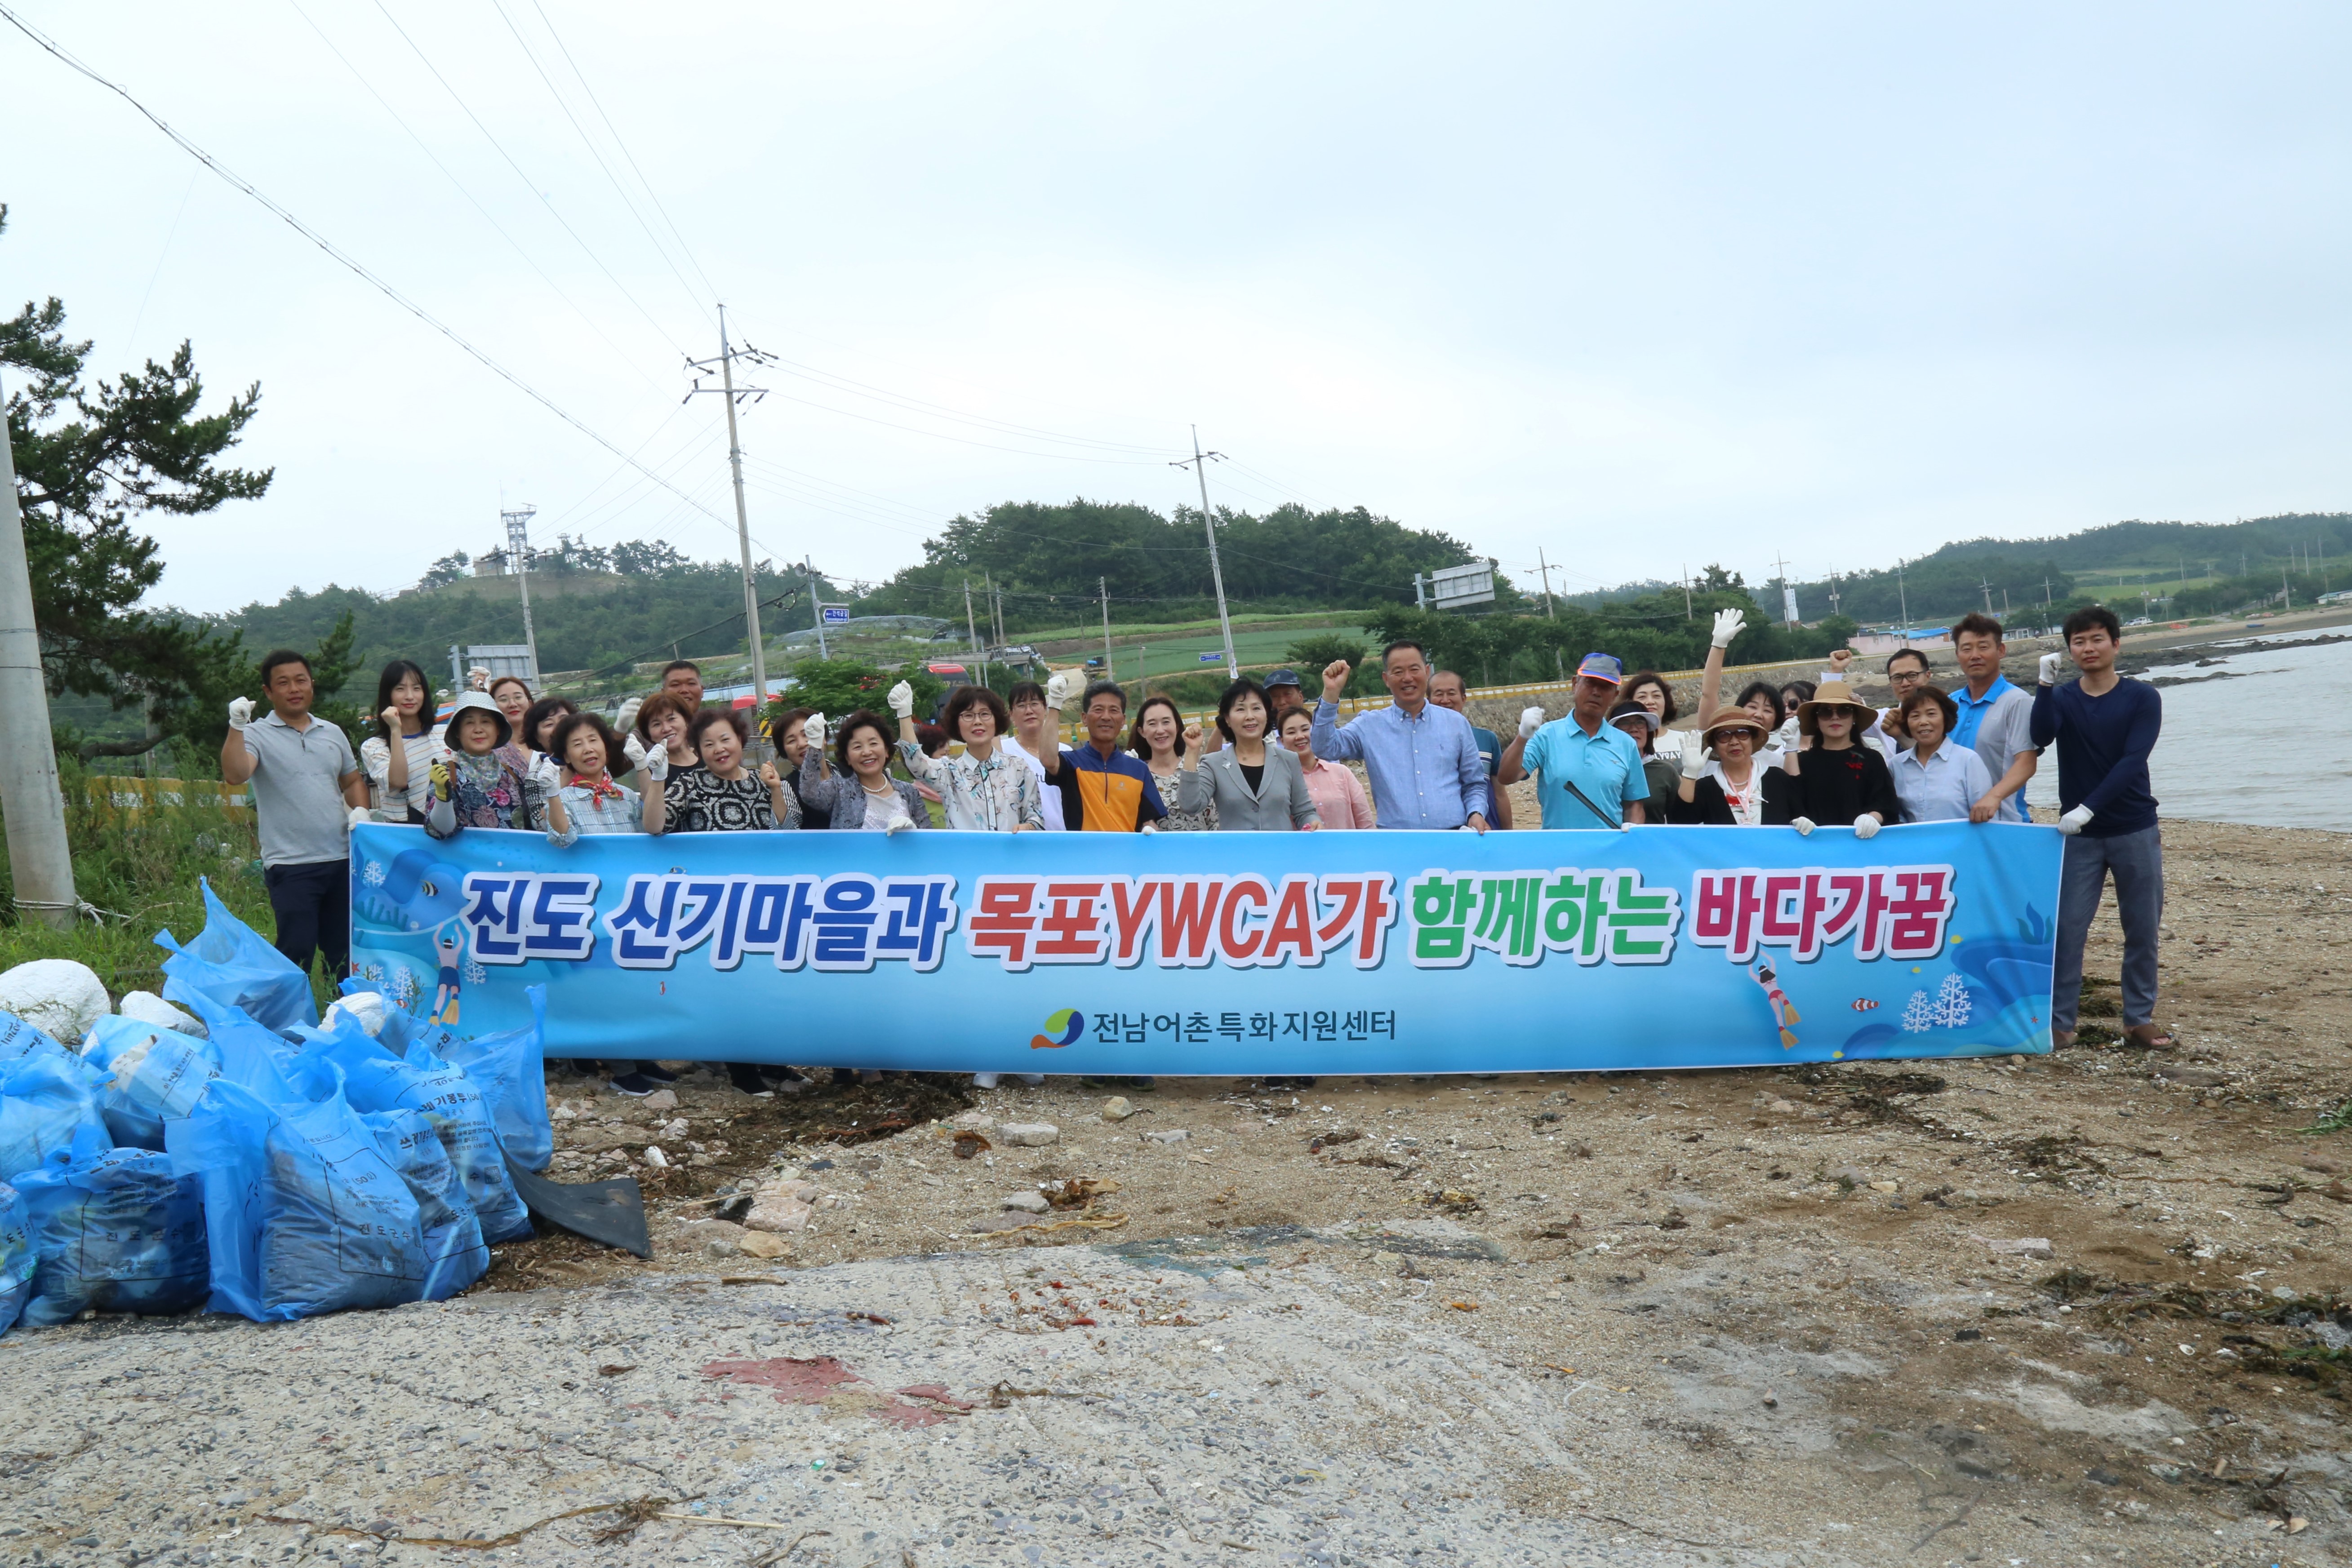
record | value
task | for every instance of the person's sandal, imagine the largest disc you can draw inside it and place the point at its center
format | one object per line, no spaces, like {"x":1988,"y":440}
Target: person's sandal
{"x":2150,"y":1037}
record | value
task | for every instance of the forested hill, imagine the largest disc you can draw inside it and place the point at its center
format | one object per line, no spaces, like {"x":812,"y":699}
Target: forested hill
{"x":2191,"y":567}
{"x":1051,"y":562}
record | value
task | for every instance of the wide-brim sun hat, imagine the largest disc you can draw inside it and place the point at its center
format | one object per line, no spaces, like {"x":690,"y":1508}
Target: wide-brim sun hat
{"x":477,"y":703}
{"x":1735,"y":719}
{"x":1635,"y":710}
{"x":1835,"y":694}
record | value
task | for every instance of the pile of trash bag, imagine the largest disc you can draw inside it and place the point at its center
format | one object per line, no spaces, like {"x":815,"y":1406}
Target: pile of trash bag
{"x":221,"y":1147}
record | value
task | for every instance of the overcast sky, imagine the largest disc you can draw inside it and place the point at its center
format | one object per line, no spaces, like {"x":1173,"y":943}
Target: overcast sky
{"x":1641,"y":286}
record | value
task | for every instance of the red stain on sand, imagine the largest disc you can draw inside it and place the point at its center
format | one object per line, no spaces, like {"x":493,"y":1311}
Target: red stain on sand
{"x":798,"y":1380}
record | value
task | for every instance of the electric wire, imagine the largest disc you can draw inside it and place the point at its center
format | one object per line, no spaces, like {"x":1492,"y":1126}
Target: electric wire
{"x":512,"y":244}
{"x":353,"y":263}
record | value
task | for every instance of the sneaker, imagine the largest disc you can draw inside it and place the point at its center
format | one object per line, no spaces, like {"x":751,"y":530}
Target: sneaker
{"x":657,"y":1072}
{"x":635,"y":1085}
{"x":985,"y":1079}
{"x":746,"y":1077}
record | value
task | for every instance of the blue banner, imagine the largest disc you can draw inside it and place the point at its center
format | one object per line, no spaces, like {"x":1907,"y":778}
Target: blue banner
{"x":1223,"y":953}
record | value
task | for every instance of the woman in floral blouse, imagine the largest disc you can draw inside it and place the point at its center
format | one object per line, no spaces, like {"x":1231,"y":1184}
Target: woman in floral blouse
{"x":1157,"y":737}
{"x":986,"y":790}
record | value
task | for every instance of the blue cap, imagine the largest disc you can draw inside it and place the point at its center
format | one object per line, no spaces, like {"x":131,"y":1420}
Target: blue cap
{"x":1605,"y":667}
{"x":1283,"y":678}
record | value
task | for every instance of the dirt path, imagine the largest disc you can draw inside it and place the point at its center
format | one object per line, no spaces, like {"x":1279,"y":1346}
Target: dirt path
{"x":1776,"y":1314}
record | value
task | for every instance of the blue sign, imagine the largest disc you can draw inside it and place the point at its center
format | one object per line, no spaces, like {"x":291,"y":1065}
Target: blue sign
{"x":1215,"y":954}
{"x":1212,"y":658}
{"x":836,"y":615}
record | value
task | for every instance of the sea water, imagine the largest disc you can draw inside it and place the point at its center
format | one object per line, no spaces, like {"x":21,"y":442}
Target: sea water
{"x":2270,"y":742}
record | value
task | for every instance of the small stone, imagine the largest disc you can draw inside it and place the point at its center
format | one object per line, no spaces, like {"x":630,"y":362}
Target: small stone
{"x":764,"y":1244}
{"x":1885,"y":1187}
{"x":721,"y":1247}
{"x":1172,"y":1136}
{"x":1029,"y":1135}
{"x":1116,"y":1109}
{"x":1028,"y":1203}
{"x":660,"y":1100}
{"x":1781,"y":1108}
{"x":979,"y":1121}
{"x":777,"y":1213}
{"x":2022,"y":1247}
{"x":2322,"y":1165}
{"x":656,"y":1158}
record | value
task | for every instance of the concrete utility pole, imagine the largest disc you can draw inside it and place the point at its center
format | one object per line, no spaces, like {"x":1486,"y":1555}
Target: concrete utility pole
{"x":39,"y":858}
{"x":727,"y":354}
{"x":971,"y":630}
{"x":1687,"y":596}
{"x":1984,"y":582}
{"x":1901,"y":597}
{"x":1199,"y":464}
{"x":1110,"y":671}
{"x":518,"y":521}
{"x":1544,"y":567}
{"x":816,"y":605}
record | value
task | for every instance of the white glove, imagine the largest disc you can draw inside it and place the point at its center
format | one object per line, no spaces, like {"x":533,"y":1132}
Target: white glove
{"x":1791,"y":734}
{"x":2048,"y":673}
{"x":1530,"y":721}
{"x":902,"y":700}
{"x":240,"y":712}
{"x":1729,"y":623}
{"x":2075,"y":821}
{"x":1866,"y":826}
{"x":813,"y":729}
{"x":1803,"y":825}
{"x":545,"y":773}
{"x":655,"y":764}
{"x":633,"y":749}
{"x":628,"y":717}
{"x":1694,"y":758}
{"x":361,"y":817}
{"x":898,"y":824}
{"x":1058,"y":688}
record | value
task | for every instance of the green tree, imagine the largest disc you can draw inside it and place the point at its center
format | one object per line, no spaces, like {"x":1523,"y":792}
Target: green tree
{"x":834,"y":686}
{"x":90,"y":457}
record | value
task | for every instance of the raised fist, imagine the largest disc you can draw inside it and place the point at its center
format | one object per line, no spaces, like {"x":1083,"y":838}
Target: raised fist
{"x":2048,"y":671}
{"x":1530,"y":721}
{"x":1335,"y":678}
{"x":240,"y":712}
{"x":902,"y":700}
{"x":1060,"y":687}
{"x":814,"y":728}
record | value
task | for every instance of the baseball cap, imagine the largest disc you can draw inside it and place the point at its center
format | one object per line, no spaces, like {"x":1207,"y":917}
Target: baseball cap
{"x":1633,"y":710}
{"x":1283,"y":678}
{"x":1605,"y":667}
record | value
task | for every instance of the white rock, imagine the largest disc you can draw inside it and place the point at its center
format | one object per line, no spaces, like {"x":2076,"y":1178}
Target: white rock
{"x":2022,"y":1247}
{"x":979,"y":1121}
{"x":56,"y":995}
{"x":1028,"y":1134}
{"x":149,"y":1008}
{"x":1116,"y":1109}
{"x":660,"y":1100}
{"x":1028,"y":1203}
{"x":654,"y":1157}
{"x":777,"y":1213}
{"x":1172,"y":1136}
{"x":364,"y":1009}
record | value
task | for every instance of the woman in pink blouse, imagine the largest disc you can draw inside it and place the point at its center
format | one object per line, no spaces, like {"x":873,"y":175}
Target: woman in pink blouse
{"x":1338,"y":794}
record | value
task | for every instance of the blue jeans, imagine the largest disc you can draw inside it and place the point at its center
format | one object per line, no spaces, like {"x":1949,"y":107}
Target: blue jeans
{"x":2137,"y":861}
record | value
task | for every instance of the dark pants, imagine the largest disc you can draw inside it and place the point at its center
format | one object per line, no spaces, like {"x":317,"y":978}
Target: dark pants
{"x":2136,"y":860}
{"x":313,"y":902}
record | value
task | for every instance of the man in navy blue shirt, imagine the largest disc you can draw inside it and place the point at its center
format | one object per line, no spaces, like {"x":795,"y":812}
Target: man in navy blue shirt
{"x":2104,"y":726}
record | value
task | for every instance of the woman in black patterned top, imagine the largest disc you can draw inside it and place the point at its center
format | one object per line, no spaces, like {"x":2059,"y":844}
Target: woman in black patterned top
{"x":722,"y":795}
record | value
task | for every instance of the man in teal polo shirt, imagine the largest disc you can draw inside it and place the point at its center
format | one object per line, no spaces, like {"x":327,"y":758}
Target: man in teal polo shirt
{"x":1996,"y":718}
{"x":1603,"y":761}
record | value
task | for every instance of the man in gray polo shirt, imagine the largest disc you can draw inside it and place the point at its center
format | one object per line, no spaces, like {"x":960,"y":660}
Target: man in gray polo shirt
{"x":304,"y":781}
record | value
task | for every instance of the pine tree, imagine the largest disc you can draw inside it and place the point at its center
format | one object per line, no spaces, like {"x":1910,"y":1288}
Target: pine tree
{"x":1952,"y":1006}
{"x":1918,"y":1013}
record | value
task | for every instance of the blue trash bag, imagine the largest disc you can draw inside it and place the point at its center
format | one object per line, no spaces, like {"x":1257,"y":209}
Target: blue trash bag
{"x":376,"y":1080}
{"x":117,"y":1230}
{"x":254,"y":1059}
{"x":304,"y":1212}
{"x":511,"y":1069}
{"x":454,"y":1253}
{"x":19,"y":1039}
{"x":146,"y":1075}
{"x":229,"y":962}
{"x":17,"y":1256}
{"x":45,"y":1099}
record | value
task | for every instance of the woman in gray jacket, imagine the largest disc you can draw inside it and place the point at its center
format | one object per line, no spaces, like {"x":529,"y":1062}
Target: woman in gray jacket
{"x":1257,"y":787}
{"x":862,"y":795}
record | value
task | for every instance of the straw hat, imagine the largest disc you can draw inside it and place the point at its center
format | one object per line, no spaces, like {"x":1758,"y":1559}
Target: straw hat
{"x":1835,"y":694}
{"x":1735,"y":719}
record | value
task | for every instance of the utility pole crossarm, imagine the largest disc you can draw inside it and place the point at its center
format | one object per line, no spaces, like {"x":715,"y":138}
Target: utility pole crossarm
{"x":727,"y":354}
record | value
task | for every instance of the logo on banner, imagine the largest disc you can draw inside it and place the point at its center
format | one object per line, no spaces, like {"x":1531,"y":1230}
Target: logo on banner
{"x":1069,"y":1021}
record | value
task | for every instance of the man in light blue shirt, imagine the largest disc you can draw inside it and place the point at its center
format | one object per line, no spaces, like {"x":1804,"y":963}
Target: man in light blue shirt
{"x":1423,"y":762}
{"x":1996,"y":719}
{"x":1602,"y":761}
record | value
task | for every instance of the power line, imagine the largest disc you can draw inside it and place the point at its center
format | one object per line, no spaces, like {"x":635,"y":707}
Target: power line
{"x":455,"y":97}
{"x":323,"y":243}
{"x":434,"y":158}
{"x":619,"y":142}
{"x":589,"y":143}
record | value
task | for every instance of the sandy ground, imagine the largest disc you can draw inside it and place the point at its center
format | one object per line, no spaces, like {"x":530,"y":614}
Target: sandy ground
{"x":1759,"y":1316}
